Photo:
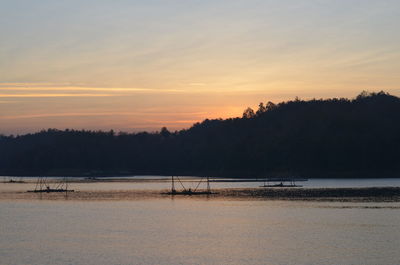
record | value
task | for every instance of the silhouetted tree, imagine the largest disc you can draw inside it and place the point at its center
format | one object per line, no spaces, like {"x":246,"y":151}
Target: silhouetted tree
{"x":248,"y":113}
{"x":270,"y":106}
{"x":261,"y":109}
{"x":164,"y":132}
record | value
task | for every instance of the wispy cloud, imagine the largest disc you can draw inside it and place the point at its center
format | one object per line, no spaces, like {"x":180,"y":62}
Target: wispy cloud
{"x":9,"y":101}
{"x":197,"y":84}
{"x":68,"y":89}
{"x":75,"y":89}
{"x":35,"y":84}
{"x":197,"y":88}
{"x":94,"y":114}
{"x":53,"y":95}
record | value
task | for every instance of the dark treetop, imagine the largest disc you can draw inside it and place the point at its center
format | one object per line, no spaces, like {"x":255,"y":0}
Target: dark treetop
{"x":314,"y":138}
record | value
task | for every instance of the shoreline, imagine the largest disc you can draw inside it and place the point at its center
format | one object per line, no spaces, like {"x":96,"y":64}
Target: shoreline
{"x":356,"y":174}
{"x":373,"y":194}
{"x":154,"y":179}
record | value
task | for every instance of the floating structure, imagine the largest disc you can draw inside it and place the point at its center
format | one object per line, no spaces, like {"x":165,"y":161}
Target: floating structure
{"x":43,"y":185}
{"x":238,"y":180}
{"x":281,"y":182}
{"x":189,"y":191}
{"x":11,"y":180}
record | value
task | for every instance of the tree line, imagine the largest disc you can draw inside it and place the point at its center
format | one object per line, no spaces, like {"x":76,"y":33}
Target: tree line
{"x":357,"y":137}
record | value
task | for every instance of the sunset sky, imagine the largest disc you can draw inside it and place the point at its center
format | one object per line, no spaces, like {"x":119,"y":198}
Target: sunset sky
{"x":139,"y":65}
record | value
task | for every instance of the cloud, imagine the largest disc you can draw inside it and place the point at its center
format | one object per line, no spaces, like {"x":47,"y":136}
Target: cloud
{"x":66,"y":89}
{"x":94,"y":114}
{"x":73,"y":91}
{"x":35,"y":84}
{"x":53,"y":95}
{"x":9,"y":101}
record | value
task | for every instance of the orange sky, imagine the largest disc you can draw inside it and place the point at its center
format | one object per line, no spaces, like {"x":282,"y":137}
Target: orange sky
{"x":136,"y":65}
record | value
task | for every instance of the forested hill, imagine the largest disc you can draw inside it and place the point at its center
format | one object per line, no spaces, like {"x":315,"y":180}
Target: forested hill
{"x":314,"y":138}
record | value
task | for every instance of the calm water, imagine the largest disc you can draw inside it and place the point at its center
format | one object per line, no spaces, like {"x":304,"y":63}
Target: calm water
{"x":187,"y":231}
{"x":199,"y":231}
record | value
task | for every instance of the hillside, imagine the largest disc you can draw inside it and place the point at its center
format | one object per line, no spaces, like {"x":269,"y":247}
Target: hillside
{"x":315,"y":138}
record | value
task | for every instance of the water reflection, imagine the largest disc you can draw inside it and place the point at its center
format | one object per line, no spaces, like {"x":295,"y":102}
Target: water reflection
{"x":196,"y":232}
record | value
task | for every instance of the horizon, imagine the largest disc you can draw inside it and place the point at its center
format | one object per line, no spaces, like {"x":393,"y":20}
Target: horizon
{"x":158,"y":130}
{"x":133,"y":66}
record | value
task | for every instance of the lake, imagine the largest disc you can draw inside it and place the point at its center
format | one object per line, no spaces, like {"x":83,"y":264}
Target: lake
{"x":197,"y":231}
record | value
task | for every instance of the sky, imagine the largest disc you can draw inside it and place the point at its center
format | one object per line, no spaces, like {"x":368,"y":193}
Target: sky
{"x":140,"y":65}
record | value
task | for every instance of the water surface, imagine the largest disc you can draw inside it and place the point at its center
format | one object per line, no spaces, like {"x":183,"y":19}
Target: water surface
{"x":198,"y":231}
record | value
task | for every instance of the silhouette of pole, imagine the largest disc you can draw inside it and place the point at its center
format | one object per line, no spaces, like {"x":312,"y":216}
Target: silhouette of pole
{"x":173,"y":185}
{"x":66,"y":187}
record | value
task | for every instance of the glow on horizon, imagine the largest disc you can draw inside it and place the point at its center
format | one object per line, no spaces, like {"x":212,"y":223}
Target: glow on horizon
{"x":140,"y":65}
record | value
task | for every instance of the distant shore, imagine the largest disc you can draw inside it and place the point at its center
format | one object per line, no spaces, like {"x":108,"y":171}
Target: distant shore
{"x":372,"y":194}
{"x":142,"y":177}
